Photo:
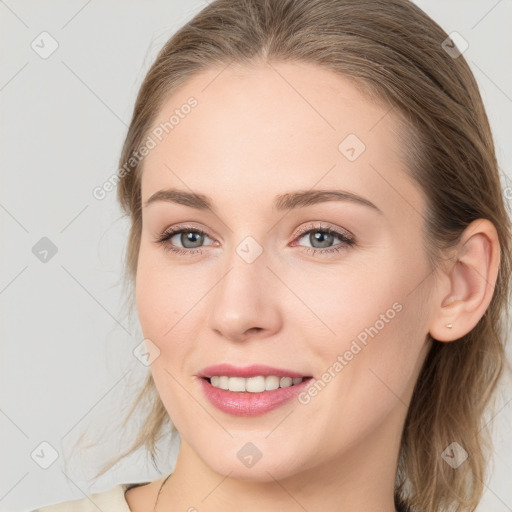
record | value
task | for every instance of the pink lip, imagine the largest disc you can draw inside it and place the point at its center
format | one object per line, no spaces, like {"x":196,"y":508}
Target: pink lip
{"x":250,"y":404}
{"x":247,"y":371}
{"x":245,"y":403}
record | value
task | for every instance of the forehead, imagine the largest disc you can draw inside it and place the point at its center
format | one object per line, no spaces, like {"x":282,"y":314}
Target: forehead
{"x":270,"y":128}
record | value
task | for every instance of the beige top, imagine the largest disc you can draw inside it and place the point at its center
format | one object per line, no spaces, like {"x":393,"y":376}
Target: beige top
{"x":112,"y":500}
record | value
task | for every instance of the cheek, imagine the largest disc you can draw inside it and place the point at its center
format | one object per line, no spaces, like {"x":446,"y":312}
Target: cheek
{"x":162,"y":313}
{"x":372,"y":319}
{"x":172,"y":302}
{"x":159,"y":298}
{"x":347,"y":300}
{"x":378,"y":351}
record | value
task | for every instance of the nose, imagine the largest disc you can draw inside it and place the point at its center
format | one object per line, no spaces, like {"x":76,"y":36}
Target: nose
{"x":245,"y":303}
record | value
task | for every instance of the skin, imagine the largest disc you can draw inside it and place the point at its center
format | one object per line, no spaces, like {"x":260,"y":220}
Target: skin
{"x":258,"y":132}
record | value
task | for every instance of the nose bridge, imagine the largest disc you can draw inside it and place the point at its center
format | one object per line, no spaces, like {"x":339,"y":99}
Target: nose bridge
{"x":243,"y":297}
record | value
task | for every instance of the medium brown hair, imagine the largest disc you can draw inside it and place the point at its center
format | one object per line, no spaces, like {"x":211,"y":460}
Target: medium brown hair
{"x":393,"y":51}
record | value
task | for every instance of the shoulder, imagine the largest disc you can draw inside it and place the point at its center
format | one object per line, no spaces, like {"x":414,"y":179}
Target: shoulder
{"x":111,"y":500}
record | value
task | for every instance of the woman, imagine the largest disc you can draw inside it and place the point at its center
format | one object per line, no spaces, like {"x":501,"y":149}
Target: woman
{"x":321,"y":259}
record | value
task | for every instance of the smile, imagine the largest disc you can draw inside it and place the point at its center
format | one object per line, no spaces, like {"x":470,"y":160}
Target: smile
{"x":256,"y":384}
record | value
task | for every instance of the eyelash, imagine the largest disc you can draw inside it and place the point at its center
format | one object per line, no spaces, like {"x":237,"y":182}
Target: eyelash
{"x":346,"y":240}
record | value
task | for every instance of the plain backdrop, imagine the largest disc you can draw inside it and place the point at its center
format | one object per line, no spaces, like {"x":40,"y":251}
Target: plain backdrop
{"x":69,"y":73}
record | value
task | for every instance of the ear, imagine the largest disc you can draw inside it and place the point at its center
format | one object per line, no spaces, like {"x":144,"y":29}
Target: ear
{"x":467,"y":285}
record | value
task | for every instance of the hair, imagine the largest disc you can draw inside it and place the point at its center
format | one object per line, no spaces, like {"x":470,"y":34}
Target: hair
{"x":393,"y":52}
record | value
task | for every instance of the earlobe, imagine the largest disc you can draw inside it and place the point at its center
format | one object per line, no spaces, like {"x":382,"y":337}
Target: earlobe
{"x":471,"y":282}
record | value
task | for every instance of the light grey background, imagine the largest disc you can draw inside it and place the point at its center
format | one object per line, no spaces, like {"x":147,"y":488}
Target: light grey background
{"x":66,"y":353}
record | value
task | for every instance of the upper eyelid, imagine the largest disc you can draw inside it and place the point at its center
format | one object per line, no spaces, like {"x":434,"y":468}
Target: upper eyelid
{"x":321,"y":227}
{"x":178,"y":229}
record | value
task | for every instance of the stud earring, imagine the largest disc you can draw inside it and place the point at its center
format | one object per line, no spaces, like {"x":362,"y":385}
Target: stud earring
{"x":449,"y":326}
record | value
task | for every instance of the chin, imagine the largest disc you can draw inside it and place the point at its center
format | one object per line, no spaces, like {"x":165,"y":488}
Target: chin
{"x":263,"y":471}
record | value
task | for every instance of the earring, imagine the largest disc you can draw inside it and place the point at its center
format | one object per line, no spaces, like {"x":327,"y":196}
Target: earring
{"x":449,"y":326}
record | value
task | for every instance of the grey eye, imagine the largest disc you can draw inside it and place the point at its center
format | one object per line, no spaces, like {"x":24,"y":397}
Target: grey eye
{"x":323,"y":239}
{"x":189,"y":239}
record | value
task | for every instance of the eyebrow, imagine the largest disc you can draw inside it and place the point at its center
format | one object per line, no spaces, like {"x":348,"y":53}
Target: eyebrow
{"x":288,"y":201}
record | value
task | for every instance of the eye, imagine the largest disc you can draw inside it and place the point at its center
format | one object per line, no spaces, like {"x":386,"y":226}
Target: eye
{"x":321,"y":239}
{"x":191,"y":239}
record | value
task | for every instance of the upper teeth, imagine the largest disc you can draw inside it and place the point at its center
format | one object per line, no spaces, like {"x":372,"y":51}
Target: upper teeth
{"x":253,"y":384}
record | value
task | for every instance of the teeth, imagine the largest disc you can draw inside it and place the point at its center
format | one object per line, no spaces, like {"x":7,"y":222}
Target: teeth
{"x":253,"y":384}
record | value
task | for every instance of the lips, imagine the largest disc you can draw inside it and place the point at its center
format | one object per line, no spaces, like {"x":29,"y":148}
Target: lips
{"x":250,"y":404}
{"x":248,"y":371}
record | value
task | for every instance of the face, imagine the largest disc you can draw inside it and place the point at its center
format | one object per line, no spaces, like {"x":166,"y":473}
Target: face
{"x":332,"y":287}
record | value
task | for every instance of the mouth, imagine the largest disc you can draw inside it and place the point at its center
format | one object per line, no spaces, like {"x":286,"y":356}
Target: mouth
{"x":250,"y":403}
{"x":252,"y":390}
{"x":257,"y":384}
